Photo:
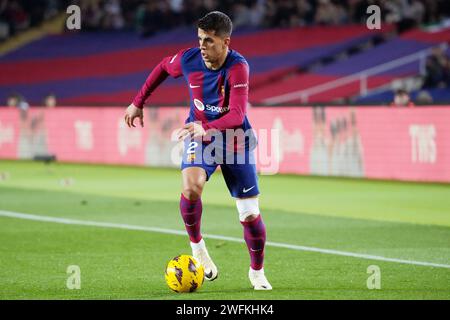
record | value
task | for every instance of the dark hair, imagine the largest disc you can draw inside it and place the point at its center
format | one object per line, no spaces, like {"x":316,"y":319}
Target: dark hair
{"x":216,"y":21}
{"x":401,"y":91}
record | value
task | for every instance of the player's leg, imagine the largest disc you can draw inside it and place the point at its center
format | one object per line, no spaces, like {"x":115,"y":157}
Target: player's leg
{"x":242,"y":182}
{"x":191,"y":208}
{"x":255,"y":238}
{"x":254,"y":230}
{"x":195,"y":173}
{"x":194,"y":179}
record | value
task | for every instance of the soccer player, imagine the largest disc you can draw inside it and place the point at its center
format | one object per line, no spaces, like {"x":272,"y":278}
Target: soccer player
{"x":218,"y":80}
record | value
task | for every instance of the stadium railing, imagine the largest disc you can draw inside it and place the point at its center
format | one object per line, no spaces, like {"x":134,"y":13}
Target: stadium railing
{"x":361,"y":77}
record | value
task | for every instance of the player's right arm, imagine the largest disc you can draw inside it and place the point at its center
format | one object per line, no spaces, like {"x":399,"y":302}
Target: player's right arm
{"x":168,"y":66}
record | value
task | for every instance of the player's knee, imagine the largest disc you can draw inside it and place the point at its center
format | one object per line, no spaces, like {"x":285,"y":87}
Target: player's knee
{"x":193,"y":191}
{"x":251,"y":217}
{"x":248,"y":209}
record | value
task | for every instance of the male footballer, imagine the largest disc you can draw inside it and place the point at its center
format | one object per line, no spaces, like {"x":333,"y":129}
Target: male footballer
{"x":218,"y":80}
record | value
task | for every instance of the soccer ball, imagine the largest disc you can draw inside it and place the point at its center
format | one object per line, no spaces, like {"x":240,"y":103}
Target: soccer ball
{"x":184,"y":274}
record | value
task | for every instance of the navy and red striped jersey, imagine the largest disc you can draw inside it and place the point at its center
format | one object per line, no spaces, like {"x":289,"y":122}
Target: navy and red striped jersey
{"x":218,"y":98}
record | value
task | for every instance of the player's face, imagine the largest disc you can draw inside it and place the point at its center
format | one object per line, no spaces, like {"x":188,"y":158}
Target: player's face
{"x":212,"y":47}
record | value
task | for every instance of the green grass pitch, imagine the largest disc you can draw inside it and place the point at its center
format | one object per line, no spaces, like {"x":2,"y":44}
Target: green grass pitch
{"x":401,"y":221}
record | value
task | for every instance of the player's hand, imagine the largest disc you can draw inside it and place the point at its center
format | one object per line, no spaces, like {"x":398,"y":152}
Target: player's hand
{"x":132,"y":113}
{"x":192,"y":129}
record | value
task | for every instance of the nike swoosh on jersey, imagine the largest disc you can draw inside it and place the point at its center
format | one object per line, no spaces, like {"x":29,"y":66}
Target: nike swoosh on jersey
{"x":173,"y":58}
{"x":247,"y":190}
{"x":192,"y":86}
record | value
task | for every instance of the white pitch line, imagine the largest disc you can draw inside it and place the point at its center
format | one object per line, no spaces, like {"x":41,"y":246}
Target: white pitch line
{"x":26,"y":216}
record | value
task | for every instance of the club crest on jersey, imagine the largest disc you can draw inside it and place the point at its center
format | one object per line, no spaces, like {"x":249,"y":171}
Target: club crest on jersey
{"x":191,"y":157}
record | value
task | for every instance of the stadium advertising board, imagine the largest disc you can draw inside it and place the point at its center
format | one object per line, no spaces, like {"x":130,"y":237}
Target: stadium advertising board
{"x":371,"y":142}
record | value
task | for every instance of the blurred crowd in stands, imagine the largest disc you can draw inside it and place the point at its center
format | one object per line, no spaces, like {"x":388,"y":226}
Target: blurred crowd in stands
{"x":437,"y":75}
{"x":150,"y":16}
{"x":20,"y":15}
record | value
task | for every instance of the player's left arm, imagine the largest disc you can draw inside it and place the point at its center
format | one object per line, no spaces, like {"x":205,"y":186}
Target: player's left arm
{"x":239,"y":83}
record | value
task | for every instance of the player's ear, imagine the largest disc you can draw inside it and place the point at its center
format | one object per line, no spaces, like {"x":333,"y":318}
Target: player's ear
{"x":226,"y":41}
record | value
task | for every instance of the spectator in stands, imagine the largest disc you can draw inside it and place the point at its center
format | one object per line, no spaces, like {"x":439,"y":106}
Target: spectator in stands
{"x":424,"y":98}
{"x":329,"y":13}
{"x":4,"y":23}
{"x":306,"y":11}
{"x":50,"y":101}
{"x":447,"y":72}
{"x":248,"y":16}
{"x":257,"y":12}
{"x":415,"y":12}
{"x":17,"y":101}
{"x":436,"y":10}
{"x":278,"y":13}
{"x":302,"y":13}
{"x":357,"y":10}
{"x":154,"y":17}
{"x":113,"y":18}
{"x":177,"y":7}
{"x":393,"y":10}
{"x":12,"y":100}
{"x":18,"y":19}
{"x":92,"y":15}
{"x":436,"y":70}
{"x":402,"y":99}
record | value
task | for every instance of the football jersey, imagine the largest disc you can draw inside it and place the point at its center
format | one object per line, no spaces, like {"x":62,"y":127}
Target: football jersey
{"x":218,"y":98}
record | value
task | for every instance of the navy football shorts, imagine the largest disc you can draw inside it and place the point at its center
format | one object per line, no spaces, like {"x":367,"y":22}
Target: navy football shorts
{"x":238,"y":168}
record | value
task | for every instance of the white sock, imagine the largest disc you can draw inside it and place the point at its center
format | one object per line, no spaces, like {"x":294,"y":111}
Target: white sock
{"x":257,"y":271}
{"x":197,"y":246}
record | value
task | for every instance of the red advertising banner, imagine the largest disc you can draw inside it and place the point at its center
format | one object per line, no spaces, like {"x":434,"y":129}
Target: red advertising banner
{"x":374,"y":142}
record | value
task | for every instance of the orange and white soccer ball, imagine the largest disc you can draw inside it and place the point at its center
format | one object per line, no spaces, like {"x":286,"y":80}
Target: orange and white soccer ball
{"x":184,"y":274}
